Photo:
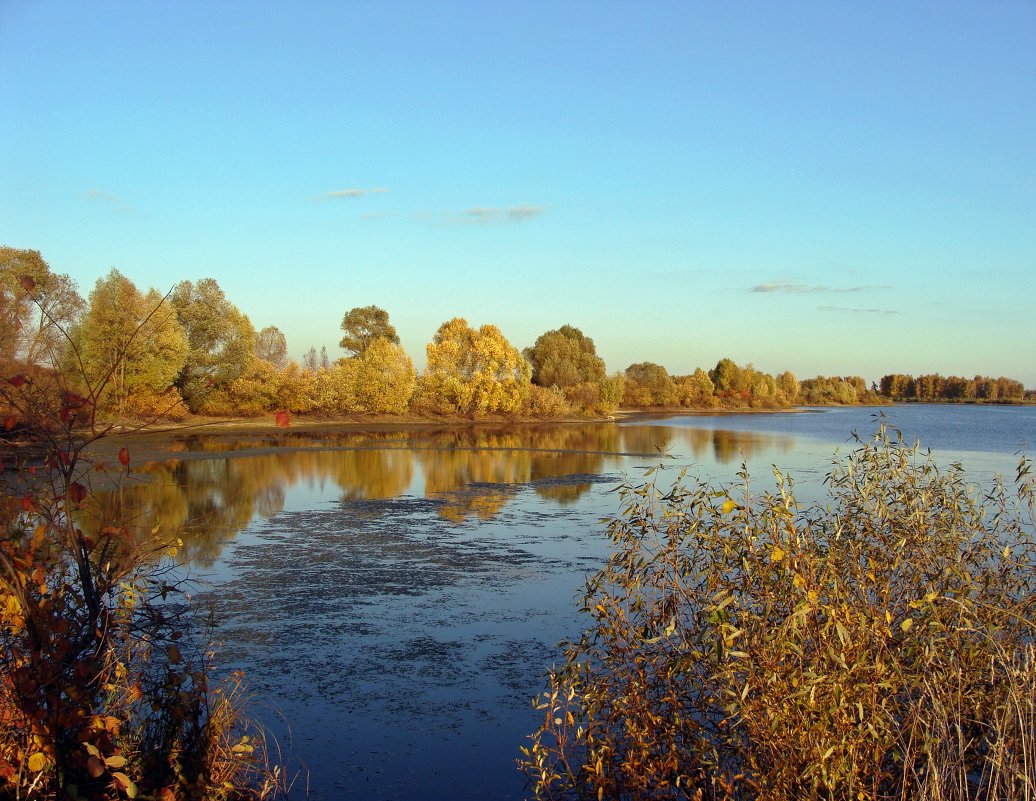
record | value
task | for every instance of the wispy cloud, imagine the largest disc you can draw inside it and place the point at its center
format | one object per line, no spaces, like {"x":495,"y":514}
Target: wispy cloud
{"x":355,"y":192}
{"x":483,"y":215}
{"x":846,"y":310}
{"x":114,"y":203}
{"x":797,"y":288}
{"x":476,"y":215}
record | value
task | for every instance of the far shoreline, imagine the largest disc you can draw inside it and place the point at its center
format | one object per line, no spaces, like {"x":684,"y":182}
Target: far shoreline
{"x":152,"y":441}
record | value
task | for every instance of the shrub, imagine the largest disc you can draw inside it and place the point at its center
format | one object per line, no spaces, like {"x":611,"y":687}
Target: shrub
{"x":546,"y":402}
{"x":149,"y":405}
{"x":104,"y":691}
{"x":879,"y":646}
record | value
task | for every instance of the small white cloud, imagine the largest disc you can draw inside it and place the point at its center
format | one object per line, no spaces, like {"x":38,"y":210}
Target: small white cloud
{"x":797,"y":288}
{"x":483,"y":215}
{"x":780,"y":286}
{"x":847,"y":310}
{"x":106,"y":199}
{"x":522,"y":212}
{"x":355,"y":192}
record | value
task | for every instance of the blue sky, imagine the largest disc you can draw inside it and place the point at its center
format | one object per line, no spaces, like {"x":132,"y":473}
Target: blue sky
{"x":828,"y":187}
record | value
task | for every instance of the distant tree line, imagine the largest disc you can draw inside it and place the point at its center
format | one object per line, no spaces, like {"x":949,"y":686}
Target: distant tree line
{"x":192,"y":350}
{"x":934,"y":387}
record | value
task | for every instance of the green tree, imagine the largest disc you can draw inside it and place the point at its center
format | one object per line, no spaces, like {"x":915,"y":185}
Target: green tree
{"x":474,"y":371}
{"x":128,"y":344}
{"x":564,"y":358}
{"x":37,"y":307}
{"x":567,"y":359}
{"x":649,"y":384}
{"x":363,"y":325}
{"x":221,"y":339}
{"x":271,"y":346}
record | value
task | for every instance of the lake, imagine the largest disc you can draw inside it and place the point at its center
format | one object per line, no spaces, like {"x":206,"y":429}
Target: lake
{"x":395,"y":598}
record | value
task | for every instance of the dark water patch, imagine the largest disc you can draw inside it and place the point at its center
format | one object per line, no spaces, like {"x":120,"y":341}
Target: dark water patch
{"x":374,"y":625}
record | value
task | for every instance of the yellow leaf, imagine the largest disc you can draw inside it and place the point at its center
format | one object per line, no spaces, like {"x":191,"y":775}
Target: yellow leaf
{"x":907,"y":624}
{"x":728,"y":506}
{"x":776,"y":555}
{"x":37,"y":762}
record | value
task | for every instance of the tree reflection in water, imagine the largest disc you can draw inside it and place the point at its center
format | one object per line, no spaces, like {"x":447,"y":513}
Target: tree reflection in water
{"x":218,"y":485}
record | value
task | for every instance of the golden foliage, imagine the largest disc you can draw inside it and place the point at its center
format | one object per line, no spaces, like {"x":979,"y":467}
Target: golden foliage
{"x":474,"y":372}
{"x":878,"y":646}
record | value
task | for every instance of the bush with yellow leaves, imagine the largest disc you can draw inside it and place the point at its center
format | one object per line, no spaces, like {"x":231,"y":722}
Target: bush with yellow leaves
{"x":877,"y":646}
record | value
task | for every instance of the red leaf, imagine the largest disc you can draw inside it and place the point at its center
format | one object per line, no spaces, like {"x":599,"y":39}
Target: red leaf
{"x":283,"y":419}
{"x":124,"y":457}
{"x":10,"y":422}
{"x":77,"y":492}
{"x":64,"y":414}
{"x":28,"y":504}
{"x":28,"y":283}
{"x":17,"y":381}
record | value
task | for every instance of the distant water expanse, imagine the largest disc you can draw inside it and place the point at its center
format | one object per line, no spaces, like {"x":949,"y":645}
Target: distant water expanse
{"x":396,"y":599}
{"x":941,"y":427}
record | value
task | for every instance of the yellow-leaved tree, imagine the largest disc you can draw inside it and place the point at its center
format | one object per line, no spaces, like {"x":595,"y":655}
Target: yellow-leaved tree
{"x":385,"y":378}
{"x":474,"y":371}
{"x":132,"y":345}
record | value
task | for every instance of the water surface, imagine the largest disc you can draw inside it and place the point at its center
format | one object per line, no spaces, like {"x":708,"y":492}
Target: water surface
{"x":395,"y":598}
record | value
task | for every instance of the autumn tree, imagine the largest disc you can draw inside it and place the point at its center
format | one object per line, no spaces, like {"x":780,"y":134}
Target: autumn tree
{"x":732,"y":382}
{"x":221,"y":339}
{"x":36,"y":307}
{"x":827,"y":390}
{"x":567,"y":359}
{"x":363,"y":325}
{"x":384,"y":379}
{"x":564,"y":358}
{"x":271,"y":346}
{"x":334,"y":389}
{"x":649,"y":384}
{"x":695,"y":390}
{"x":131,"y":344}
{"x":787,"y":387}
{"x":474,"y":371}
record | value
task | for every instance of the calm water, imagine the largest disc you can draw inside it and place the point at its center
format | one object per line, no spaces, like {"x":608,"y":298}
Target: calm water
{"x":395,"y":598}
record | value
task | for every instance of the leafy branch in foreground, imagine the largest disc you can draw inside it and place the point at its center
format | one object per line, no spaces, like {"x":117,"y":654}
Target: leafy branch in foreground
{"x":878,"y":646}
{"x":104,"y":693}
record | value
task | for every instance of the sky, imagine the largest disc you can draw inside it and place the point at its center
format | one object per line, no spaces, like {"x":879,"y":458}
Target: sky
{"x":824,"y":187}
